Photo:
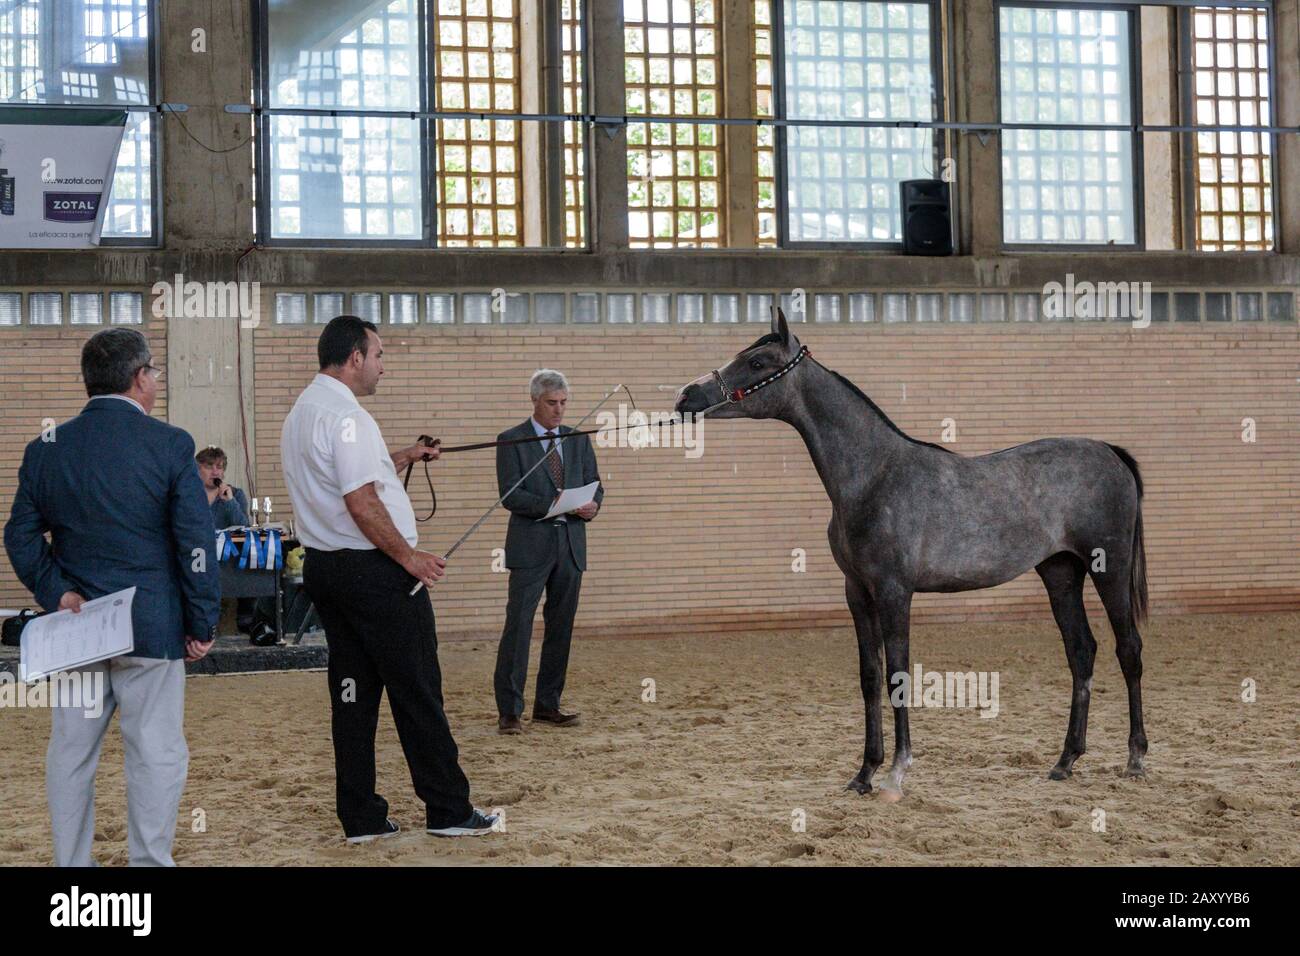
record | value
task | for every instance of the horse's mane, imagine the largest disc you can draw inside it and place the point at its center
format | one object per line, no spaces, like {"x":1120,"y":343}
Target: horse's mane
{"x":883,"y":417}
{"x":773,"y":337}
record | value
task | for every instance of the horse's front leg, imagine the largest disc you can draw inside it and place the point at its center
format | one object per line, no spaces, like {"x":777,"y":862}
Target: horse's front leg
{"x":894,"y":608}
{"x":869,"y":673}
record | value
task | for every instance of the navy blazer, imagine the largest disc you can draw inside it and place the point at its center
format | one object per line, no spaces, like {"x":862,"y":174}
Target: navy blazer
{"x":232,"y":513}
{"x":121,"y":498}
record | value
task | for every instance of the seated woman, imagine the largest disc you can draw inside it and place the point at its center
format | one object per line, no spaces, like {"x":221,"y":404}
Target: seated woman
{"x":229,"y":504}
{"x":229,"y":509}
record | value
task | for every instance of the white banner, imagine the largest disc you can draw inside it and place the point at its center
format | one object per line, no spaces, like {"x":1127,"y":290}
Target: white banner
{"x":56,"y":174}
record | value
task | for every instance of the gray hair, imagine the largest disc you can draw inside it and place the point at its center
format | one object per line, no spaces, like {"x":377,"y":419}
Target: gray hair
{"x":110,"y":358}
{"x":547,"y":380}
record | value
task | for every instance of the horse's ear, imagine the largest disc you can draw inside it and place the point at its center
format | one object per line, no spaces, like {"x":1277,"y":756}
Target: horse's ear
{"x":779,"y":326}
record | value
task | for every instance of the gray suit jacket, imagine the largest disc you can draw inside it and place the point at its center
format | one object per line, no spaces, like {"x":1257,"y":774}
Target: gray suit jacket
{"x":528,"y":541}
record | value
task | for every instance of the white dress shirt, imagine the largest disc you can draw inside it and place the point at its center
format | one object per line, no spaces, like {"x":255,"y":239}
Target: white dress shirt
{"x":331,"y":446}
{"x":123,"y":398}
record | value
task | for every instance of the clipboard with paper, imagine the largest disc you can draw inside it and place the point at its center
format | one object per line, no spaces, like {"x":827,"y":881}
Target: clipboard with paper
{"x":65,"y":639}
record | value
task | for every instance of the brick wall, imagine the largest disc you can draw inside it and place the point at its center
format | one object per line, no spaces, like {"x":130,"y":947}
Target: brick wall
{"x":705,"y":544}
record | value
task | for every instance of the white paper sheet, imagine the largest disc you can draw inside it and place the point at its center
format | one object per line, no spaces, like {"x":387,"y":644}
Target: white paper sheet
{"x":571,"y":499}
{"x":64,"y":640}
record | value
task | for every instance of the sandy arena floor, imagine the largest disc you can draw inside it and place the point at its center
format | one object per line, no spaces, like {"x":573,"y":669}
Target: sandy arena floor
{"x":746,"y":731}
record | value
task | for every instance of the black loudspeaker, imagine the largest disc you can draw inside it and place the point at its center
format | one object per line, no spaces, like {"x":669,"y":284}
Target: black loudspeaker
{"x":927,"y":222}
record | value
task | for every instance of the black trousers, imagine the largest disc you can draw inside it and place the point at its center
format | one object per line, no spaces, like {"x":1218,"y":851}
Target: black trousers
{"x":379,"y":637}
{"x":561,"y":580}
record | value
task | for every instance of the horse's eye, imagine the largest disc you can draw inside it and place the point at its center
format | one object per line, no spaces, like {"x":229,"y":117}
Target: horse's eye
{"x":756,"y":364}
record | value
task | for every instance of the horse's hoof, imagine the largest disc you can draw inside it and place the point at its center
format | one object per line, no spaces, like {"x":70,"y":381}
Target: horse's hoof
{"x":858,"y":785}
{"x":1135,"y":772}
{"x":1060,"y":773}
{"x":890,"y":796}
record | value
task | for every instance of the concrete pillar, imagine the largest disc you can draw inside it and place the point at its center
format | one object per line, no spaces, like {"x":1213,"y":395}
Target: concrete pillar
{"x":534,"y":153}
{"x":542,"y":91}
{"x":1286,"y":81}
{"x":738,"y":97}
{"x":208,"y":208}
{"x":1160,"y":151}
{"x":552,"y":134}
{"x":979,"y":161}
{"x":608,"y":194}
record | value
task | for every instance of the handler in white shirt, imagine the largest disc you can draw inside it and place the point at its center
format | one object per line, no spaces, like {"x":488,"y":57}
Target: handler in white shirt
{"x":357,"y":524}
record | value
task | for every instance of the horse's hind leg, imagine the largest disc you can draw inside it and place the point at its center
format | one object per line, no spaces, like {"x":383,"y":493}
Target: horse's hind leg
{"x":864,"y":622}
{"x":1063,"y":576}
{"x":1115,"y":595}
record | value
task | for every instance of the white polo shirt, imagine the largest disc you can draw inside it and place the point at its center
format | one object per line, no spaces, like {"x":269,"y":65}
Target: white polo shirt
{"x":331,"y":446}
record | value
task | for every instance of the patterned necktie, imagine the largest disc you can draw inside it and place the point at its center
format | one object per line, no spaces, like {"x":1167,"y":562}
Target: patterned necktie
{"x":554,"y":464}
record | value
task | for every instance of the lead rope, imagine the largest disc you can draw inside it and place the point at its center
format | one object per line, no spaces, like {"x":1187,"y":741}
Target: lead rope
{"x":496,"y":504}
{"x":435,"y":442}
{"x":476,"y":446}
{"x":729,"y":397}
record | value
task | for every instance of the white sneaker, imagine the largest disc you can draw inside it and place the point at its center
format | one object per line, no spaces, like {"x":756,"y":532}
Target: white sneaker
{"x":390,"y":829}
{"x":478,"y":824}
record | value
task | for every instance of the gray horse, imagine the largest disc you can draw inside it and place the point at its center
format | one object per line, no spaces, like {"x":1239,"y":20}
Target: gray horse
{"x":911,"y":516}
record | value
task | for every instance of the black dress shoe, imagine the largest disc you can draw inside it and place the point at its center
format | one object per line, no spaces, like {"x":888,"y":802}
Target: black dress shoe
{"x":509,"y":725}
{"x":264,"y":636}
{"x":555,"y":718}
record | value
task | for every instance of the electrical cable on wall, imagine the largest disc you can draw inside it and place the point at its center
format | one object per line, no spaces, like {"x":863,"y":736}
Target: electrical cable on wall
{"x":167,"y":110}
{"x":239,"y":384}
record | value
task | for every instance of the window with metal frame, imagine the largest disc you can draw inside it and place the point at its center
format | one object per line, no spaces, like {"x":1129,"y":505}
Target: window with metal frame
{"x":673,"y":69}
{"x":1068,"y":66}
{"x":859,"y":60}
{"x":344,"y":177}
{"x":1231,"y":172}
{"x":95,"y":53}
{"x":575,"y":163}
{"x":378,"y":175}
{"x":480,"y":202}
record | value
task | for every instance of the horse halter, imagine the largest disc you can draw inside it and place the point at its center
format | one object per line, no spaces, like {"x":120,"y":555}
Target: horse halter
{"x":732,"y":395}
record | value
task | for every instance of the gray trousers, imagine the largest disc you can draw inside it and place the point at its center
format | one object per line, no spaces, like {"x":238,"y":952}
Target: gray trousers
{"x":561,"y":580}
{"x":151,"y":695}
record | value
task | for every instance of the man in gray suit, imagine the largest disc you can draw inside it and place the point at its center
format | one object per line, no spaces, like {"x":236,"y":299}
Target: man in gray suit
{"x":542,"y":556}
{"x":119,"y":494}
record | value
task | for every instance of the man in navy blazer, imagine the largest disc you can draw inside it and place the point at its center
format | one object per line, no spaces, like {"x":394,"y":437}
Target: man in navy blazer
{"x":119,"y":494}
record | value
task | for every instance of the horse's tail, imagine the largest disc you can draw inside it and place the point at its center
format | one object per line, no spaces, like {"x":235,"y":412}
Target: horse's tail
{"x":1138,"y":571}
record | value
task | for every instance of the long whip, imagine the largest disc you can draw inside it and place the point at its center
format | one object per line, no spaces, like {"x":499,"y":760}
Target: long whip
{"x":496,"y":504}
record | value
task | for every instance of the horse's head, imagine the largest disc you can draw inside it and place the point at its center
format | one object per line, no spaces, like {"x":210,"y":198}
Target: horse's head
{"x":740,"y":388}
